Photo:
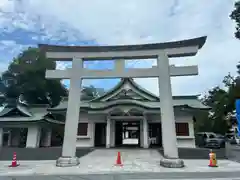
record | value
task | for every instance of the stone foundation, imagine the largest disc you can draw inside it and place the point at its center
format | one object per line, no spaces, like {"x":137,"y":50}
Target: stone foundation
{"x":67,"y":162}
{"x":172,"y":163}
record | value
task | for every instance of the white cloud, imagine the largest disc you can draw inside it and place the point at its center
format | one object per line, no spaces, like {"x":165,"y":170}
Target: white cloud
{"x":144,"y":21}
{"x":9,"y":48}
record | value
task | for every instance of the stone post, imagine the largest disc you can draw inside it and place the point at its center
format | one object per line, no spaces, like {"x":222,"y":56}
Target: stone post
{"x":33,"y":137}
{"x":68,"y":157}
{"x":145,"y":133}
{"x":1,"y":137}
{"x":108,"y":133}
{"x":167,"y":114}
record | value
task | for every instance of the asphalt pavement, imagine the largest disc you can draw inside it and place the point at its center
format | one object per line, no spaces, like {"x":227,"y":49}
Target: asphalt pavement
{"x":138,"y":176}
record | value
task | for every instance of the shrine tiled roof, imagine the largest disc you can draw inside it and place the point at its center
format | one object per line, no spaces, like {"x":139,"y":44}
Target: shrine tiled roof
{"x":139,"y":96}
{"x":21,"y":113}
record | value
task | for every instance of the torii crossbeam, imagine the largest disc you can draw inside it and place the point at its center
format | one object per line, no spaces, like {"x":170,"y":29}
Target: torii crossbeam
{"x":161,"y":51}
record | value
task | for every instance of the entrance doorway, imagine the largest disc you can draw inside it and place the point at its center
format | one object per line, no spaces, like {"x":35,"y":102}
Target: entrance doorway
{"x":127,"y":134}
{"x":100,"y":135}
{"x":155,"y":134}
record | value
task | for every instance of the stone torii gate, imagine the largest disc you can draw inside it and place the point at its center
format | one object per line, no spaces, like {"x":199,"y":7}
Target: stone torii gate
{"x":161,"y":51}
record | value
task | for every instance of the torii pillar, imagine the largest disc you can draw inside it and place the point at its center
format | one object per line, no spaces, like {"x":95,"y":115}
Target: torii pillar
{"x":161,"y":51}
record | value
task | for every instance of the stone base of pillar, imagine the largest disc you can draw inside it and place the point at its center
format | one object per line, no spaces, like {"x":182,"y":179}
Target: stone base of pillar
{"x":145,"y":146}
{"x":172,"y":163}
{"x":67,"y":162}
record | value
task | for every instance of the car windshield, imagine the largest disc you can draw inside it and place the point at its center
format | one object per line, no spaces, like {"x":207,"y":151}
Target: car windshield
{"x":212,"y":136}
{"x":219,"y":136}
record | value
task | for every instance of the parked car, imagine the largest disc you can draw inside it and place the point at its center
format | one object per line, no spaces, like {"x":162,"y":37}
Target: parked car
{"x":210,"y":140}
{"x":233,"y":138}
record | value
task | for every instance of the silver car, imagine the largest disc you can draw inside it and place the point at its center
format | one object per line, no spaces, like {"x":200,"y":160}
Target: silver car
{"x":210,"y":140}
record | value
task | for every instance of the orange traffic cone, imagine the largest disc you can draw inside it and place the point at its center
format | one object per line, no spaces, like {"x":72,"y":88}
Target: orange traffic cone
{"x":212,"y":159}
{"x":119,"y":161}
{"x":14,"y":160}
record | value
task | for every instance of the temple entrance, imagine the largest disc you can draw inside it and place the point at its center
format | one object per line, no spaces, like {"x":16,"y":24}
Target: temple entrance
{"x":127,"y":134}
{"x":155,"y":134}
{"x":100,"y":135}
{"x":163,"y":71}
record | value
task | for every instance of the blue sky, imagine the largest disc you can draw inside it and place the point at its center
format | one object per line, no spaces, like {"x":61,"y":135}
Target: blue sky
{"x":25,"y":23}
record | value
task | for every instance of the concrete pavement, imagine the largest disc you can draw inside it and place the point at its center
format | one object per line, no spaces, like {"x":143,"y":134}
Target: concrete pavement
{"x":137,"y":176}
{"x":102,"y":161}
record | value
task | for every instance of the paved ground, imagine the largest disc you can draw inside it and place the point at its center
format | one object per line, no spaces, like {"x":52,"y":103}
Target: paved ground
{"x":137,"y":176}
{"x":233,"y":152}
{"x":102,"y":161}
{"x":130,"y":141}
{"x":141,"y":160}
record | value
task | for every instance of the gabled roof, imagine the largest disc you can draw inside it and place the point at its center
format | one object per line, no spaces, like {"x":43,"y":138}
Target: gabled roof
{"x":127,"y":84}
{"x":127,"y":92}
{"x":21,"y":113}
{"x":21,"y":110}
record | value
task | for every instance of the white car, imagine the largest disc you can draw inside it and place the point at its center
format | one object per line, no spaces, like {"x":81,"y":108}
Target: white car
{"x":237,"y":140}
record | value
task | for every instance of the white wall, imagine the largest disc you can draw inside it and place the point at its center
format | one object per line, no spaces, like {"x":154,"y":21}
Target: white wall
{"x":88,"y":141}
{"x":182,"y":141}
{"x":33,"y":136}
{"x":186,"y":141}
{"x":112,"y":136}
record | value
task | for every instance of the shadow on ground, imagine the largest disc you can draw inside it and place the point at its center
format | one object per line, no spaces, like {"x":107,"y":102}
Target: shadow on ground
{"x":51,"y":153}
{"x":199,"y":153}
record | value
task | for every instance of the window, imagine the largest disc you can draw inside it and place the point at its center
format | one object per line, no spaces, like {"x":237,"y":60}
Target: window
{"x":82,"y":129}
{"x":211,"y":136}
{"x":182,"y":129}
{"x":9,"y":82}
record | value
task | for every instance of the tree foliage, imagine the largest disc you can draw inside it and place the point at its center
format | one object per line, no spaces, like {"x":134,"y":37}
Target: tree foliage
{"x":28,"y":72}
{"x":235,"y":15}
{"x":90,"y":92}
{"x":26,"y":79}
{"x":217,"y":99}
{"x":222,"y":101}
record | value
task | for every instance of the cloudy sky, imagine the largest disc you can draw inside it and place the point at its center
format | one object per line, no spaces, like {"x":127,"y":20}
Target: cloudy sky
{"x":25,"y":23}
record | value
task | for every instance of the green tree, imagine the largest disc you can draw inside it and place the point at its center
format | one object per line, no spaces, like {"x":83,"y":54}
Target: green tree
{"x":202,"y":122}
{"x":9,"y":89}
{"x":217,"y":99}
{"x":235,"y":15}
{"x":222,"y":102}
{"x":28,"y":71}
{"x":90,"y":92}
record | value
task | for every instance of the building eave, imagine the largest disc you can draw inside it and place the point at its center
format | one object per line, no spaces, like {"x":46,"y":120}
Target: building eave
{"x":50,"y":120}
{"x":129,"y":103}
{"x":108,"y":97}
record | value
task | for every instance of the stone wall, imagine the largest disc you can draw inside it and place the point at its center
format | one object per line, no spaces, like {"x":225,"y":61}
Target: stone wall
{"x":233,"y":152}
{"x":199,"y":153}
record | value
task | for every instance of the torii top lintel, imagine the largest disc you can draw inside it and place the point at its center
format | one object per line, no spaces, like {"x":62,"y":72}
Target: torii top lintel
{"x":181,"y":48}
